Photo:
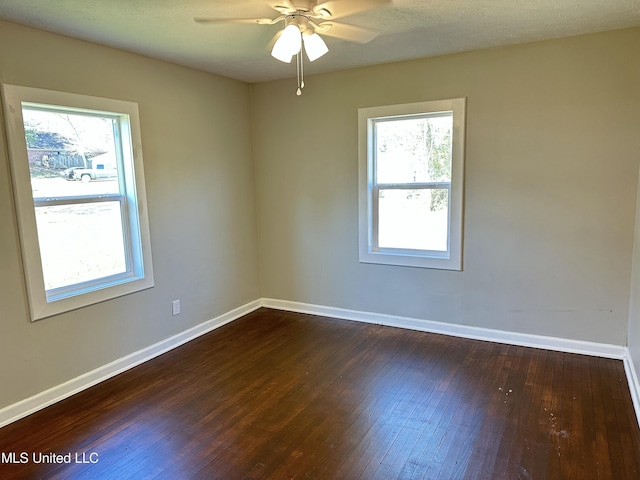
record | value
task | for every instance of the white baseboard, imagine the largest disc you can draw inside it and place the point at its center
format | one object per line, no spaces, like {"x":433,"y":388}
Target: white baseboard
{"x":465,"y":331}
{"x":634,"y":385}
{"x":41,"y":400}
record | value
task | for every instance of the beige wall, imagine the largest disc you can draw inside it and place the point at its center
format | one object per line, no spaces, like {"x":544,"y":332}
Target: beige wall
{"x":553,"y":135}
{"x":196,"y":140}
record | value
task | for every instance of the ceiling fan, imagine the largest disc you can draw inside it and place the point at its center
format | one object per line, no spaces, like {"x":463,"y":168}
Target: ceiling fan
{"x":304,"y":20}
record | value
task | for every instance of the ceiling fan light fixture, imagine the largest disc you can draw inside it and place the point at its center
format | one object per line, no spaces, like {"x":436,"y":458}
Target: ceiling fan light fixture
{"x":288,"y":45}
{"x":279,"y":52}
{"x":314,"y":45}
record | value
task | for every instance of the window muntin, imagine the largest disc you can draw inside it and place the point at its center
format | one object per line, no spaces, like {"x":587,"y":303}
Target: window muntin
{"x":79,"y":188}
{"x":411,"y":175}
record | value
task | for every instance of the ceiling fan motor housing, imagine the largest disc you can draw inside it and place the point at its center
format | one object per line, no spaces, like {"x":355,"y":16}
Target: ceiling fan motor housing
{"x":300,"y":20}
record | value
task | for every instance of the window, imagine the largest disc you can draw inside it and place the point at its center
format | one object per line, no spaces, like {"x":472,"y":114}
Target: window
{"x":78,"y":180}
{"x":411,"y":176}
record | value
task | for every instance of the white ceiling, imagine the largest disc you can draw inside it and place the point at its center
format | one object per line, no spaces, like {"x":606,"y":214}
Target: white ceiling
{"x":408,"y":29}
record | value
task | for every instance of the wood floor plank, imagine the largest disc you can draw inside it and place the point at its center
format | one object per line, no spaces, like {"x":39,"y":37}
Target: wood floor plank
{"x":280,"y":395}
{"x":484,"y":453}
{"x":521,"y":455}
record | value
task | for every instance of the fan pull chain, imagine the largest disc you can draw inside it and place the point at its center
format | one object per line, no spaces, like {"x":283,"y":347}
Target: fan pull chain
{"x":301,"y":69}
{"x":300,"y":72}
{"x":299,"y":91}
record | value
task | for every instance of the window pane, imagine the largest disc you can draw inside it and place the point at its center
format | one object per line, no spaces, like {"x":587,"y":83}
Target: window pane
{"x":70,"y":154}
{"x":416,"y":149}
{"x":79,"y":243}
{"x":413,"y":219}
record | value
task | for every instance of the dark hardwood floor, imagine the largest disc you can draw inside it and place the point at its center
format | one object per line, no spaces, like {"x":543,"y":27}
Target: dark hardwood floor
{"x":278,"y":395}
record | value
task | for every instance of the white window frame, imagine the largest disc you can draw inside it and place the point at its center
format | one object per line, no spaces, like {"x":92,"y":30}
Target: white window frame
{"x":137,"y":243}
{"x":369,"y":251}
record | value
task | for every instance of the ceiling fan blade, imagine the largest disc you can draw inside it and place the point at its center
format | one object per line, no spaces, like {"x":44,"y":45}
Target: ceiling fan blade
{"x":345,"y":31}
{"x":285,"y":7}
{"x":259,"y":21}
{"x":343,"y":8}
